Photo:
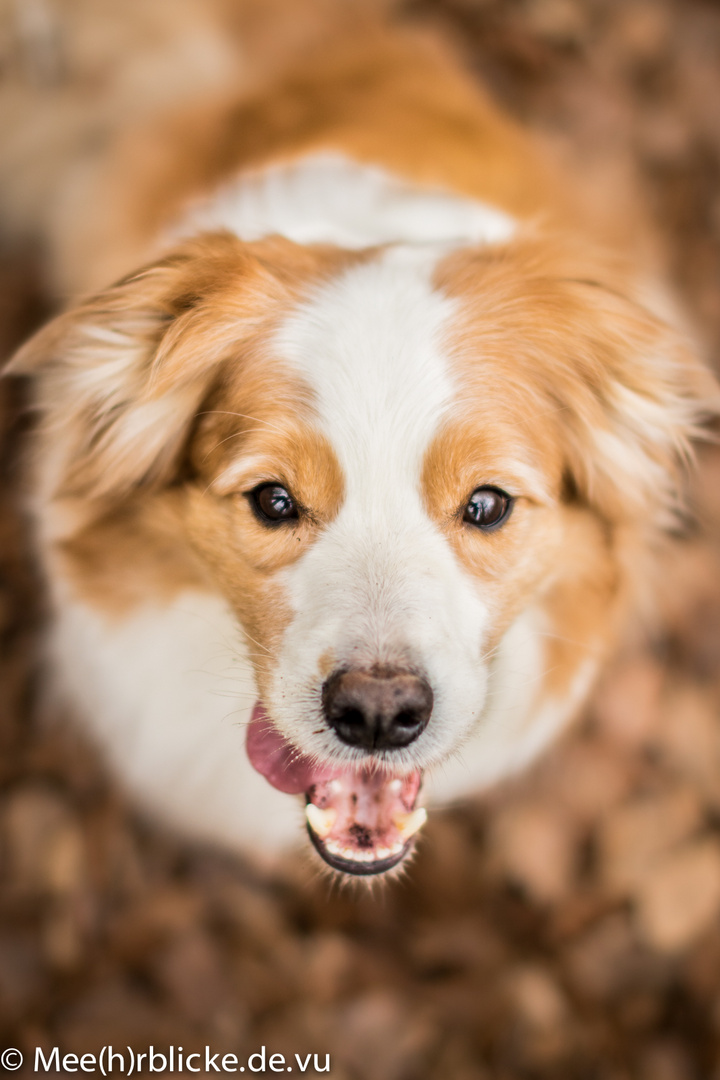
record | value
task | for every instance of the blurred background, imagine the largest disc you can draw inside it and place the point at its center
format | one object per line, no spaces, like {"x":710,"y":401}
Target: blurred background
{"x":565,"y":927}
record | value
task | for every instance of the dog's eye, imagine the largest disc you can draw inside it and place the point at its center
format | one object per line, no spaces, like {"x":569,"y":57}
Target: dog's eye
{"x":487,"y":508}
{"x":273,"y":502}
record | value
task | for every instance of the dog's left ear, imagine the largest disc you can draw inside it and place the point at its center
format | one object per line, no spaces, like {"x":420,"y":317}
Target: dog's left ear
{"x":599,"y":357}
{"x":645,"y":397}
{"x":119,"y":379}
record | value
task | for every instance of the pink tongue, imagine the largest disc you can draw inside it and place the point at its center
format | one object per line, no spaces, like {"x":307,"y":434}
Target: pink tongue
{"x":282,"y":766}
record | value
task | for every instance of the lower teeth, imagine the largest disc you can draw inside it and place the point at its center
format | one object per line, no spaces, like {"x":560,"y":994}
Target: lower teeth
{"x":352,"y":855}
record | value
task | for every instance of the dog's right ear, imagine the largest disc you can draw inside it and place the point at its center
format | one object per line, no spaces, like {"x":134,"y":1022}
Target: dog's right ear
{"x":120,"y":378}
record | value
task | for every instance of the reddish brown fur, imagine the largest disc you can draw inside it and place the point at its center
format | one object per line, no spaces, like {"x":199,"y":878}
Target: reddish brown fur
{"x":567,"y":328}
{"x":193,"y":325}
{"x":547,"y":341}
{"x":172,"y":331}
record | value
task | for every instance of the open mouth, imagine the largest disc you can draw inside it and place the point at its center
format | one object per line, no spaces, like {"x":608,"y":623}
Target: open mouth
{"x":362,"y":821}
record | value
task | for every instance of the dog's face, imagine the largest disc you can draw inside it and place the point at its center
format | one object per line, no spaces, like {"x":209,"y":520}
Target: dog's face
{"x":383,"y":460}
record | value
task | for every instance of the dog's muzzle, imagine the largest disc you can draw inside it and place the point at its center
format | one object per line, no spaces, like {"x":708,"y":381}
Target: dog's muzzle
{"x":361,"y":820}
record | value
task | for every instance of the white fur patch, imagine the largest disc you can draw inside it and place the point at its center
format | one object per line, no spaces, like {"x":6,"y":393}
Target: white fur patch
{"x":518,"y":723}
{"x":167,"y":692}
{"x":327,"y":198}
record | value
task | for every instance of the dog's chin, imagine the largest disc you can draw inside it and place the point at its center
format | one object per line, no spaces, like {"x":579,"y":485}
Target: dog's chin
{"x":361,"y":821}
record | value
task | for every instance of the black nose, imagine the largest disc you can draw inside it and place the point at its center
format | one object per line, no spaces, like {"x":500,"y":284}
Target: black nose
{"x":379,"y":709}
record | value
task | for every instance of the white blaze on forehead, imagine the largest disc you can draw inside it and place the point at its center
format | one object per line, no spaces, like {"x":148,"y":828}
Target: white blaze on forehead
{"x":381,"y":583}
{"x":370,"y":346}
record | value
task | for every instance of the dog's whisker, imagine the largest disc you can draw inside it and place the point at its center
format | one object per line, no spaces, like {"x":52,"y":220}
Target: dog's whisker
{"x":242,"y":416}
{"x":259,"y":644}
{"x":228,"y":438}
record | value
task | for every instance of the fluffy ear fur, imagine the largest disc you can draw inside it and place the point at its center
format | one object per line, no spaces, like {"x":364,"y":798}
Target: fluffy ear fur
{"x":645,"y":396}
{"x":121,"y":377}
{"x":573,"y":334}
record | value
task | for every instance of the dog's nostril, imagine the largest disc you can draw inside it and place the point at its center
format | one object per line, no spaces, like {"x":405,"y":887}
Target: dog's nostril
{"x":380,"y":709}
{"x":351,"y":718}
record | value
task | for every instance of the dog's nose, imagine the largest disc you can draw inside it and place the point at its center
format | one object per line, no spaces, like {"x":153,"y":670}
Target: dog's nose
{"x":381,"y":709}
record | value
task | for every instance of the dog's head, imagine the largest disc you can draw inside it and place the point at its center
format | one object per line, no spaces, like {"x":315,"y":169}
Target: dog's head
{"x":385,"y":461}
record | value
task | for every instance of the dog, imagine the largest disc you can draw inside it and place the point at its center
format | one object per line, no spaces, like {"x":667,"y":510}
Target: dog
{"x":342,"y":488}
